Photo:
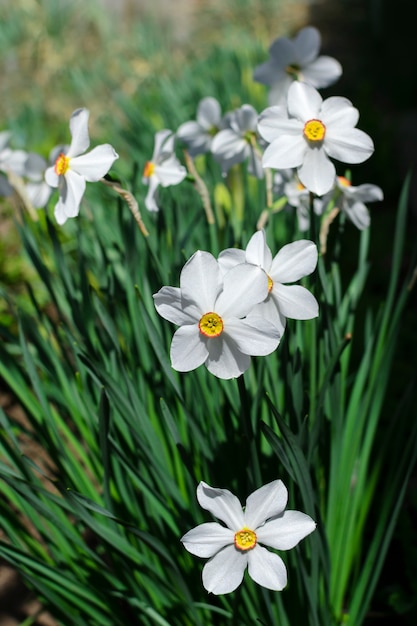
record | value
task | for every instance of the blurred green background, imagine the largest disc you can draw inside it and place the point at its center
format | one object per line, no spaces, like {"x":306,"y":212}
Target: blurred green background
{"x":142,"y":65}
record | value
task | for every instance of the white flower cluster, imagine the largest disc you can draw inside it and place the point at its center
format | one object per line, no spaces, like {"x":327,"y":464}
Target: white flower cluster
{"x":234,"y":307}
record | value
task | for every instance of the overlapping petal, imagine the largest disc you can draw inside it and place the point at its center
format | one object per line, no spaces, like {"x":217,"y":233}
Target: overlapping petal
{"x":201,"y":280}
{"x":243,"y":286}
{"x":257,"y":251}
{"x":254,"y":336}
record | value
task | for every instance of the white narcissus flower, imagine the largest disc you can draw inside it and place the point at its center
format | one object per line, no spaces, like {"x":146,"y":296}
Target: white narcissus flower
{"x":163,"y":169}
{"x":198,"y":135}
{"x":296,"y":59}
{"x":314,"y":131}
{"x":209,"y":309}
{"x":291,"y":263}
{"x":238,"y":141}
{"x":232,"y":548}
{"x":72,"y":168}
{"x":352,"y":199}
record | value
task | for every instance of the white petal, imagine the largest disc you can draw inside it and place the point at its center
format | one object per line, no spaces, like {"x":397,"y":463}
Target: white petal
{"x":188,"y":349}
{"x":96,"y":163}
{"x":162,"y":144}
{"x":317,"y":173}
{"x":170,"y":172}
{"x":285,"y":152}
{"x":224,"y":572}
{"x":307,"y":45}
{"x":286,"y":531}
{"x":349,"y":145}
{"x":230,"y":258}
{"x":365,"y":193}
{"x":243,"y":286}
{"x":72,"y":187}
{"x":322,"y":72}
{"x":295,"y":302}
{"x":358,"y":214}
{"x":51,"y":177}
{"x":195,"y":138}
{"x":258,"y":252}
{"x":274,"y":122}
{"x":339,"y":112}
{"x":253,"y":336}
{"x":150,"y":200}
{"x":304,"y":101}
{"x":227,"y":144}
{"x":209,"y":113}
{"x":201,"y":281}
{"x":267,"y":569}
{"x":293,"y":261}
{"x":207,"y":539}
{"x":269,"y":310}
{"x":225,"y":360}
{"x":221,"y":503}
{"x":59,"y":213}
{"x":267,"y":501}
{"x":79,"y":132}
{"x":170,"y":306}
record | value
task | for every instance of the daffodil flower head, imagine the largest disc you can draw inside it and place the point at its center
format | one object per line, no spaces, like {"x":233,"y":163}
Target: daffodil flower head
{"x":198,"y":135}
{"x":296,"y":59}
{"x":163,"y":169}
{"x":237,"y":545}
{"x":210,"y":310}
{"x":72,"y":168}
{"x":311,"y":132}
{"x":294,"y":261}
{"x":239,"y":141}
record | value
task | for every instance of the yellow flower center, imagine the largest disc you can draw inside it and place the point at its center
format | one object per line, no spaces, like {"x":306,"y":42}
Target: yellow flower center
{"x":314,"y":130}
{"x":245,"y":539}
{"x":148,"y":169}
{"x":270,"y":283}
{"x":61,"y":164}
{"x":211,"y":325}
{"x":344,"y":181}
